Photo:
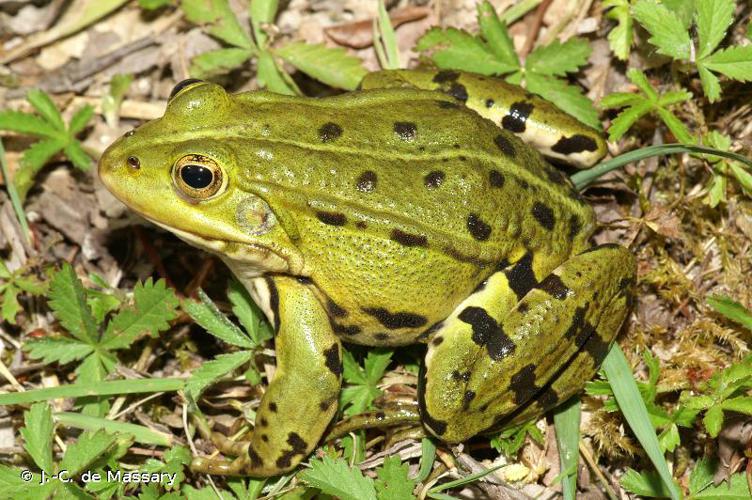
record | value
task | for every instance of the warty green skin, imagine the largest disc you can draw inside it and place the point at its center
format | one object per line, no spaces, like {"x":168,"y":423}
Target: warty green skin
{"x":386,"y":217}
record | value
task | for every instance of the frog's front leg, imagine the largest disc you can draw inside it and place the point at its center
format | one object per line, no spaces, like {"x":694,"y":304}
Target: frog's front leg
{"x":302,"y":397}
{"x":524,"y":343}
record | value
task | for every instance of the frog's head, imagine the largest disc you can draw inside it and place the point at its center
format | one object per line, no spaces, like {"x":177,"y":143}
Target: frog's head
{"x":177,"y":172}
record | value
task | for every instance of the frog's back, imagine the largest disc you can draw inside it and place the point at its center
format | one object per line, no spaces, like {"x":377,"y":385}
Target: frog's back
{"x":411,"y":166}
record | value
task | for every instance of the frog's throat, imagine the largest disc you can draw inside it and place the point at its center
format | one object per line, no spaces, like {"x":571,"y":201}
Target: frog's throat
{"x":255,"y":259}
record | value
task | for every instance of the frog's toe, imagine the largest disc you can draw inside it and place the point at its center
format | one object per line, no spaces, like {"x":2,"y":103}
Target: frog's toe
{"x":220,"y":467}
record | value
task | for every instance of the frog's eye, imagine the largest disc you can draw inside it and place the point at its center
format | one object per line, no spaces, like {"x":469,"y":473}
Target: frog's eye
{"x":180,"y":86}
{"x":197,"y":177}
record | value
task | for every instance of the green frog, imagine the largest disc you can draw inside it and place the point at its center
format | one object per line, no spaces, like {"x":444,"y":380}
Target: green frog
{"x":409,"y":211}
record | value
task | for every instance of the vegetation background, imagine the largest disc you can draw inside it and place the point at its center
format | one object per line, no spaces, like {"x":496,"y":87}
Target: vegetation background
{"x":118,"y":342}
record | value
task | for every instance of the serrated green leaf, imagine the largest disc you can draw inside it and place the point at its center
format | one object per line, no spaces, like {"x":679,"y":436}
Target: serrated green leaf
{"x":702,"y":475}
{"x":621,"y":36}
{"x":270,"y":76}
{"x":337,"y":478}
{"x":33,"y":159}
{"x":566,"y":97}
{"x":375,"y":364}
{"x":262,"y":12}
{"x":12,"y":486}
{"x":620,"y":100}
{"x":37,"y":433}
{"x":25,"y":123}
{"x":218,"y":61}
{"x":221,"y":20}
{"x":684,"y":10}
{"x":669,"y":439}
{"x":357,"y":398}
{"x":646,"y":484}
{"x":457,"y":49}
{"x":713,"y":420}
{"x":332,"y":66}
{"x":626,"y":119}
{"x":248,"y":313}
{"x":352,"y":372}
{"x":207,"y":315}
{"x":154,"y":306}
{"x":674,"y":97}
{"x":731,"y":310}
{"x":79,"y":119}
{"x":60,"y":349}
{"x":393,"y":482}
{"x":667,"y":31}
{"x":68,"y":303}
{"x":77,"y":155}
{"x":89,"y":448}
{"x":495,"y":32}
{"x":735,"y":489}
{"x":31,"y":284}
{"x":213,"y":370}
{"x":11,"y":307}
{"x":734,"y":62}
{"x":742,"y":176}
{"x":741,"y":404}
{"x":558,"y":58}
{"x":676,"y":126}
{"x":641,"y":81}
{"x":45,"y":107}
{"x":713,"y":18}
{"x":153,"y":4}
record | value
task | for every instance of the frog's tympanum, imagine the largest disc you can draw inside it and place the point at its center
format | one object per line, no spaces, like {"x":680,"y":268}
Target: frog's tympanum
{"x":410,"y":211}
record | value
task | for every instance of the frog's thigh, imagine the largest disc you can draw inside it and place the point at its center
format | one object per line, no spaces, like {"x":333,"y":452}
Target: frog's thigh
{"x":524,"y":341}
{"x":302,"y":397}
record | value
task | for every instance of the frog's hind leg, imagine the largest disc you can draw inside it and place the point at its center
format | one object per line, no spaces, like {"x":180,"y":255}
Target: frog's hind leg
{"x":524,"y":340}
{"x":302,"y":397}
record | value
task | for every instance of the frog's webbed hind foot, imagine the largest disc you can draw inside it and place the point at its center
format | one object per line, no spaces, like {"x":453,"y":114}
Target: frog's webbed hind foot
{"x":525,"y":342}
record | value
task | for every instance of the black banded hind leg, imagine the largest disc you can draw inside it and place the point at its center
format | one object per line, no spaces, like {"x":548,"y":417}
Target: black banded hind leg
{"x":524,"y":343}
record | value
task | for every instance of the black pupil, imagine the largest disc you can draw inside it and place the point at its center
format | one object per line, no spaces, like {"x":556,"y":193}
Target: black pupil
{"x":196,"y":176}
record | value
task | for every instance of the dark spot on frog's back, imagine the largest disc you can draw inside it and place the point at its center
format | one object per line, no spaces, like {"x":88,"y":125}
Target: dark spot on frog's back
{"x":478,"y":229}
{"x":521,"y":277}
{"x":331,"y":218}
{"x":329,"y":132}
{"x":505,"y":145}
{"x":434,"y":179}
{"x":407,"y":239}
{"x":548,"y":398}
{"x":467,"y":398}
{"x":489,"y":103}
{"x":367,"y":181}
{"x":523,"y":385}
{"x":333,"y":362}
{"x":394,"y":321}
{"x":487,"y":332}
{"x":446,"y":76}
{"x":458,"y":91}
{"x":335,"y":311}
{"x":273,"y":407}
{"x":544,"y":215}
{"x":553,"y":286}
{"x":574,"y":226}
{"x":273,"y":301}
{"x":515,"y":120}
{"x":448,"y":105}
{"x":496,"y":179}
{"x":298,"y":447}
{"x":407,"y":131}
{"x":255,"y":458}
{"x":381,"y":336}
{"x":575,"y":144}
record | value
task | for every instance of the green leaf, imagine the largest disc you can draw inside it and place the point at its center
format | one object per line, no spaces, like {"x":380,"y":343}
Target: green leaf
{"x":620,"y":100}
{"x":37,"y":433}
{"x":91,"y":447}
{"x":154,"y":306}
{"x":626,"y":119}
{"x":393,"y":482}
{"x":68,"y":302}
{"x":742,"y":404}
{"x":270,"y":76}
{"x":111,"y":101}
{"x":218,"y":61}
{"x":702,"y":475}
{"x":713,"y":420}
{"x":153,"y":4}
{"x":79,"y":119}
{"x":457,"y":49}
{"x":77,"y":155}
{"x":376,"y":363}
{"x":712,"y":19}
{"x":213,"y":370}
{"x":14,"y":487}
{"x":496,"y":34}
{"x":567,"y":424}
{"x":11,"y":307}
{"x":567,"y":97}
{"x":262,"y":12}
{"x":667,"y":31}
{"x":385,"y":40}
{"x":734,"y":62}
{"x":731,"y":310}
{"x":45,"y":107}
{"x":206,"y":314}
{"x":735,"y":489}
{"x":676,"y":126}
{"x":621,"y":36}
{"x":60,"y":349}
{"x":558,"y":58}
{"x":332,"y":66}
{"x":33,"y":159}
{"x":248,"y":313}
{"x":646,"y":484}
{"x":742,"y":176}
{"x":221,"y":20}
{"x":337,"y":478}
{"x":25,"y":123}
{"x":641,"y":81}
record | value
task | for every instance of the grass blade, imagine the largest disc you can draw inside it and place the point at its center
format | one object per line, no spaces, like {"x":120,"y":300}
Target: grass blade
{"x":141,"y":434}
{"x":106,"y":388}
{"x":15,"y":200}
{"x":567,"y":424}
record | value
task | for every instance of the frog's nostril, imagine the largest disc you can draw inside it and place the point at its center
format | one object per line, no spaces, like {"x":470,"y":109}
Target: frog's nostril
{"x":134,"y":162}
